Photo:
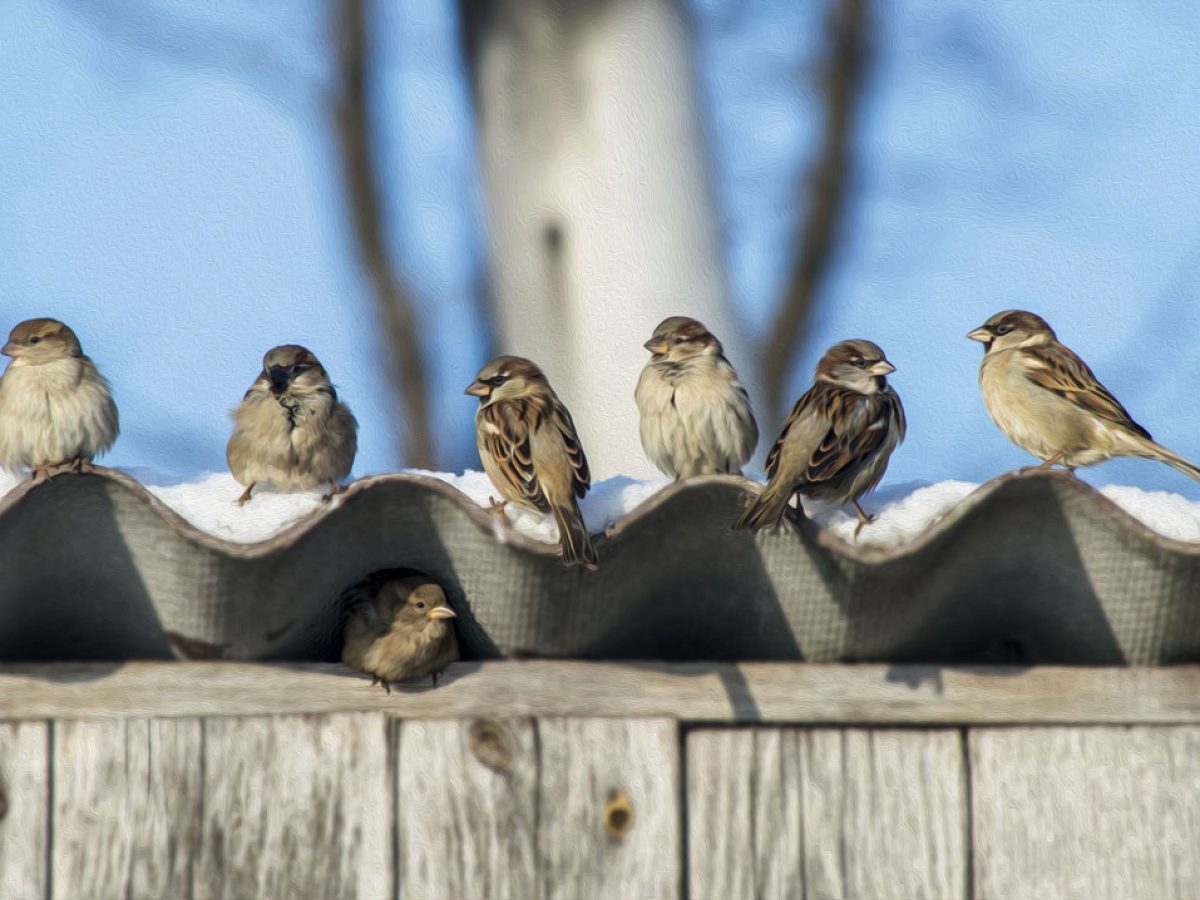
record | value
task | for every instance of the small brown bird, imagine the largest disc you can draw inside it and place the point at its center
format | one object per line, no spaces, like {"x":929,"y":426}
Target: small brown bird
{"x":399,"y":629}
{"x":56,"y":409}
{"x":695,"y":415}
{"x":1048,"y":402}
{"x":529,"y":448}
{"x":837,"y":441}
{"x":291,"y":430}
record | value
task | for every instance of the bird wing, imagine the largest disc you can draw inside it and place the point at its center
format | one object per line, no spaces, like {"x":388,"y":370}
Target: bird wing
{"x":846,"y":429}
{"x":559,"y":418}
{"x":505,"y":431}
{"x":1057,"y":369}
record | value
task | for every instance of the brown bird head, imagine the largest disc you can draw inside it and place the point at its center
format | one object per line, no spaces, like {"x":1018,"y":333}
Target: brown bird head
{"x":1013,"y":328}
{"x":426,"y":606}
{"x":858,"y":365}
{"x":679,"y":339}
{"x":292,"y":368}
{"x":506,"y":377}
{"x":37,"y":341}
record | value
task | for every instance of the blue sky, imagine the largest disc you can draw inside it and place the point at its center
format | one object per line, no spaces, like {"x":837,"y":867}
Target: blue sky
{"x":180,"y":205}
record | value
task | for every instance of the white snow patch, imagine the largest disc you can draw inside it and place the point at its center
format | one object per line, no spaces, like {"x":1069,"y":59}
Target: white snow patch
{"x":903,"y":511}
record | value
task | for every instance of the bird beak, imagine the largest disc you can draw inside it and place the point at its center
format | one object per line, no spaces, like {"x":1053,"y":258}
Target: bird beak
{"x":477,"y":389}
{"x":278,"y":377}
{"x":658,"y":348}
{"x":883,"y":367}
{"x":442,"y":612}
{"x":980,"y":334}
{"x":10,"y":349}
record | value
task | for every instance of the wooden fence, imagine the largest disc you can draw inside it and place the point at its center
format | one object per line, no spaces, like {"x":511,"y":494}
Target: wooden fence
{"x":556,"y":779}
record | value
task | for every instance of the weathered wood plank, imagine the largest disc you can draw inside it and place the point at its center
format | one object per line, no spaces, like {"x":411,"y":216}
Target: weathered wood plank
{"x":467,"y":809}
{"x":24,"y":809}
{"x":827,"y":813}
{"x":743,"y":812}
{"x":297,"y":806}
{"x":126,"y":807}
{"x":1092,"y":813}
{"x":904,"y":816}
{"x":609,"y":812}
{"x":748,"y":692}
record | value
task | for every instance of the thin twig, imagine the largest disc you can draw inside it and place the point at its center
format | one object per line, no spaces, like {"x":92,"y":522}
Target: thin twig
{"x":352,"y":111}
{"x":828,"y":186}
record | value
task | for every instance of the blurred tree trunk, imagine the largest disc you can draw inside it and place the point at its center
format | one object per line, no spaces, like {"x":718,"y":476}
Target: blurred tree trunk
{"x":602,"y":220}
{"x":352,"y":103}
{"x":828,"y":191}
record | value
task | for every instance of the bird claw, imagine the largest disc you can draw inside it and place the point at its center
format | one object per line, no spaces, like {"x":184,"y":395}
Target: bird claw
{"x":245,"y":498}
{"x":496,"y":507}
{"x":334,"y":490}
{"x":863,"y":520}
{"x":383,"y":683}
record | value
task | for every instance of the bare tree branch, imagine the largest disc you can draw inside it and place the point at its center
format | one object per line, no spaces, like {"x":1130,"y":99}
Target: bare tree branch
{"x":352,"y":103}
{"x":844,"y":79}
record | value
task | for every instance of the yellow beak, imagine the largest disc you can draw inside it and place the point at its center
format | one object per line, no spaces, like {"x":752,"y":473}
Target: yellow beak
{"x":477,"y":389}
{"x":657,"y":347}
{"x":980,"y":334}
{"x":442,"y":612}
{"x":883,"y":367}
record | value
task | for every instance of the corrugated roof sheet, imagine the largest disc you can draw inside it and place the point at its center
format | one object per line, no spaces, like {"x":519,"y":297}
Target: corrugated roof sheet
{"x":1038,"y":569}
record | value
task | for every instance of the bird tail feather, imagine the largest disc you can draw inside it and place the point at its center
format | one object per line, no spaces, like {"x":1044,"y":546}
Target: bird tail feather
{"x":1172,"y":459}
{"x":767,"y":509}
{"x":577,"y":549}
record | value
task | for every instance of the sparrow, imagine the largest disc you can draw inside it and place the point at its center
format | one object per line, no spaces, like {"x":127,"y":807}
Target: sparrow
{"x":399,"y":628}
{"x":1048,"y":402}
{"x":290,"y":430}
{"x":530,"y":450}
{"x":695,"y":414}
{"x":56,"y":409}
{"x":837,"y":441}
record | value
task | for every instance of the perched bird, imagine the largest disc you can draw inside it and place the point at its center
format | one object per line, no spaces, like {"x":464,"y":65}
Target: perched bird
{"x":695,"y":415}
{"x":290,"y":430}
{"x":399,"y":629}
{"x":836,"y":443}
{"x":1047,"y":401}
{"x":56,"y":409}
{"x":529,"y":448}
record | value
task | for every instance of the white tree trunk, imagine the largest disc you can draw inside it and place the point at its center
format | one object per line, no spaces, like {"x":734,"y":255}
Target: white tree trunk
{"x":602,"y":218}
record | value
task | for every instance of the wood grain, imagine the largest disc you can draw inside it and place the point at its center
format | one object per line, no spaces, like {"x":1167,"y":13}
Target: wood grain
{"x":750,"y":693}
{"x":467,"y":809}
{"x":126,"y":807}
{"x":297,"y":806}
{"x":24,"y":809}
{"x":1092,"y":813}
{"x":743,"y":808}
{"x":588,"y":764}
{"x":825,"y":813}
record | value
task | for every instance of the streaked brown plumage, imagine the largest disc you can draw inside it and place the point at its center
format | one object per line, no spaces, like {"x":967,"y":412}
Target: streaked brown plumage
{"x":695,"y":414}
{"x":291,"y":430}
{"x":530,"y":450}
{"x":56,"y":409}
{"x":837,"y":441}
{"x":1048,"y":402}
{"x":399,"y":628}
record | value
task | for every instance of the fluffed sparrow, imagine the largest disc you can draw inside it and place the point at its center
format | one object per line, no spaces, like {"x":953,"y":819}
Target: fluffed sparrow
{"x":1048,"y":402}
{"x":836,"y":443}
{"x":530,"y":450}
{"x":56,"y":409}
{"x":399,"y":629}
{"x":695,"y":414}
{"x":291,"y":430}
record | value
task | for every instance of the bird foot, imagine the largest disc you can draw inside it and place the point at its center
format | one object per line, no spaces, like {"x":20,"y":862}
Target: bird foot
{"x":382,"y":682}
{"x":334,"y":490}
{"x":245,"y":498}
{"x":496,"y":507}
{"x":863,"y":520}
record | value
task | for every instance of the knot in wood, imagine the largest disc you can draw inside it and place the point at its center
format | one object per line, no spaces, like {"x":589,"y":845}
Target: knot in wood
{"x":3,"y":804}
{"x":618,"y":814}
{"x":491,"y":744}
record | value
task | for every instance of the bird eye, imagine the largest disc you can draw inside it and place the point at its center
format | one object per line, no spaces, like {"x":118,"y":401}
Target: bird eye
{"x":678,"y":339}
{"x":1003,"y":329}
{"x":495,"y":380}
{"x":859,"y":362}
{"x":420,"y":604}
{"x":35,"y":339}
